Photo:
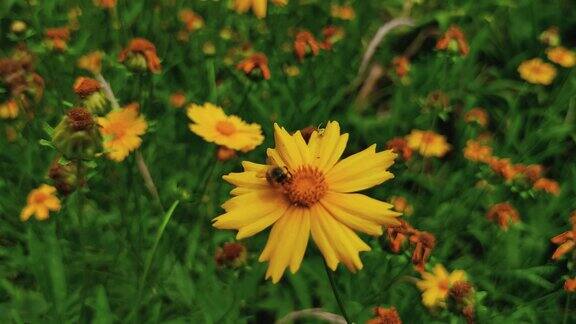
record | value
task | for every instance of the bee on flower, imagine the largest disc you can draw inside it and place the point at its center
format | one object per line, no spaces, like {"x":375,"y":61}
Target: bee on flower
{"x":428,"y":143}
{"x":140,"y":56}
{"x":306,"y":190}
{"x":537,"y":71}
{"x":41,"y":201}
{"x":122,"y":130}
{"x":213,"y":125}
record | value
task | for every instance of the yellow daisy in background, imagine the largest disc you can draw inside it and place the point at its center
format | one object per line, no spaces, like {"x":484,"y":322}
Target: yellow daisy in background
{"x":304,"y":189}
{"x":257,"y":6}
{"x":435,"y":286}
{"x":428,"y":143}
{"x":213,"y":125}
{"x":40,"y":202}
{"x":537,"y":71}
{"x":121,"y":130}
{"x":561,"y":56}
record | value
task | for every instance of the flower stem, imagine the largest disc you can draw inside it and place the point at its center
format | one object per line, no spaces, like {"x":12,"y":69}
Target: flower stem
{"x":566,"y":308}
{"x":335,"y":291}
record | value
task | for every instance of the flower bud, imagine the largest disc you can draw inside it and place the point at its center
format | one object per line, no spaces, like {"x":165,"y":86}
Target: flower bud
{"x":90,"y":91}
{"x":231,"y":255}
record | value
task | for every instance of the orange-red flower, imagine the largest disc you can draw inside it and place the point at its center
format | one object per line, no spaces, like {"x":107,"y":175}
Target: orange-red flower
{"x":140,"y":54}
{"x":424,"y":244}
{"x":561,"y":56}
{"x":106,"y":4}
{"x":257,"y":63}
{"x":231,"y":254}
{"x":475,"y":151}
{"x":398,"y":234}
{"x":224,"y":153}
{"x":504,"y":168}
{"x":58,"y":38}
{"x":570,"y":285}
{"x":400,"y":146}
{"x":192,"y":21}
{"x":504,"y":214}
{"x":385,"y":316}
{"x":401,"y":65}
{"x":304,"y":44}
{"x":402,"y":205}
{"x":178,"y":99}
{"x":565,"y":241}
{"x":548,"y":185}
{"x":537,"y":71}
{"x":332,"y":34}
{"x":453,"y":40}
{"x":84,"y":86}
{"x":478,"y":115}
{"x":91,"y":62}
{"x":342,"y":12}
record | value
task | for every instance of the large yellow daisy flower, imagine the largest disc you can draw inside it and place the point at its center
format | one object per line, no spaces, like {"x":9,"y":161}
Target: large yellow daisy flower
{"x":213,"y":125}
{"x":435,"y":286}
{"x":315,"y":195}
{"x":121,"y":130}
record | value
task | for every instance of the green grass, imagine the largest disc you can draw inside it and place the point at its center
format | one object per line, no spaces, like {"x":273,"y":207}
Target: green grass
{"x":113,"y":255}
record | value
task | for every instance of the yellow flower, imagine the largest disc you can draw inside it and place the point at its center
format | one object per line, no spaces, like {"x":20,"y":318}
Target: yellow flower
{"x":436,"y":285}
{"x":121,"y":130}
{"x":428,"y":143}
{"x":91,"y":62}
{"x":9,"y":109}
{"x":304,"y":189}
{"x":537,"y":71}
{"x":561,"y":56}
{"x":257,"y":6}
{"x":213,"y":125}
{"x":40,"y":202}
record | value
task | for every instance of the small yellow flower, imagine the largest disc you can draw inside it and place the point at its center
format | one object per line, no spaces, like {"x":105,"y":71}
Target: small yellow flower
{"x":537,"y":71}
{"x":40,"y":202}
{"x":213,"y":125}
{"x":121,"y":130}
{"x":436,"y":285}
{"x":561,"y":56}
{"x":305,"y":189}
{"x":428,"y":143}
{"x":9,"y":109}
{"x":257,"y":6}
{"x":475,"y":151}
{"x":345,"y":12}
{"x":91,"y":62}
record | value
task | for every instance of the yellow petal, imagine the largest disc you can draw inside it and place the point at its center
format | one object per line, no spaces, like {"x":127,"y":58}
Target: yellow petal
{"x":301,"y":243}
{"x":320,"y":238}
{"x":330,"y":146}
{"x":362,"y":206}
{"x":246,"y":209}
{"x":261,"y":223}
{"x":259,"y":8}
{"x":248,"y":179}
{"x":353,"y":221}
{"x":286,"y":148}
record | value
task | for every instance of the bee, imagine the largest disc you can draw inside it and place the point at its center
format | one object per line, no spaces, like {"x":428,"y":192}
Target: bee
{"x":278,"y":176}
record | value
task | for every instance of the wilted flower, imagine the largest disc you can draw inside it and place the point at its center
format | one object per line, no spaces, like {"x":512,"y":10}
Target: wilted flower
{"x":122,"y":129}
{"x":550,"y":36}
{"x":462,"y":293}
{"x":89,"y":90}
{"x":503,"y":214}
{"x":256,"y":65}
{"x":64,"y":176}
{"x":401,"y":66}
{"x":213,"y":125}
{"x":398,"y":234}
{"x":140,"y":55}
{"x":385,"y":316}
{"x":231,"y":255}
{"x":478,"y":115}
{"x":304,"y":189}
{"x":400,"y":146}
{"x":437,"y":99}
{"x":304,"y":44}
{"x":453,"y":40}
{"x":178,"y":99}
{"x":561,"y":56}
{"x":548,"y":185}
{"x":342,"y":12}
{"x":537,"y":71}
{"x":428,"y":143}
{"x":9,"y":109}
{"x":435,"y":286}
{"x":91,"y":62}
{"x":77,"y":136}
{"x":57,"y":38}
{"x":40,"y":202}
{"x":475,"y":151}
{"x":424,"y":243}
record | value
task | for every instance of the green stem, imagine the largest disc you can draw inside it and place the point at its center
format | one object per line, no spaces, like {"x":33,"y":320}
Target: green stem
{"x":335,"y":291}
{"x":566,"y":308}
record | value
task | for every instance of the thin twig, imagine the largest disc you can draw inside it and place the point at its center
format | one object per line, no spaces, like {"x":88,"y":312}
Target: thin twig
{"x":314,"y":313}
{"x":148,"y":181}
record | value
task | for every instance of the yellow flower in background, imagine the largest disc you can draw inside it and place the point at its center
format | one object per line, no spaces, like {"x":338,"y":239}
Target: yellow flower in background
{"x":40,"y":202}
{"x":257,"y":6}
{"x":537,"y":71}
{"x":345,"y":12}
{"x":428,"y":143}
{"x":9,"y":109}
{"x":121,"y":130}
{"x":435,"y":286}
{"x":306,"y":189}
{"x":213,"y":125}
{"x":561,"y":56}
{"x":91,"y":62}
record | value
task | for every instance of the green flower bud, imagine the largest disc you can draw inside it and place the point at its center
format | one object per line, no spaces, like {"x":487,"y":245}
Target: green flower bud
{"x":77,"y":135}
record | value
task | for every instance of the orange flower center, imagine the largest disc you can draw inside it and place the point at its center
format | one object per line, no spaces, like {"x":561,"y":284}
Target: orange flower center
{"x":225,"y":128}
{"x":428,"y":138}
{"x":39,"y":198}
{"x":306,"y":187}
{"x":444,"y":285}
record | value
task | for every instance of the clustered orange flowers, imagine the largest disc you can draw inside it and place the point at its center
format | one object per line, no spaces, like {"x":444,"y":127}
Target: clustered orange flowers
{"x":423,"y":242}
